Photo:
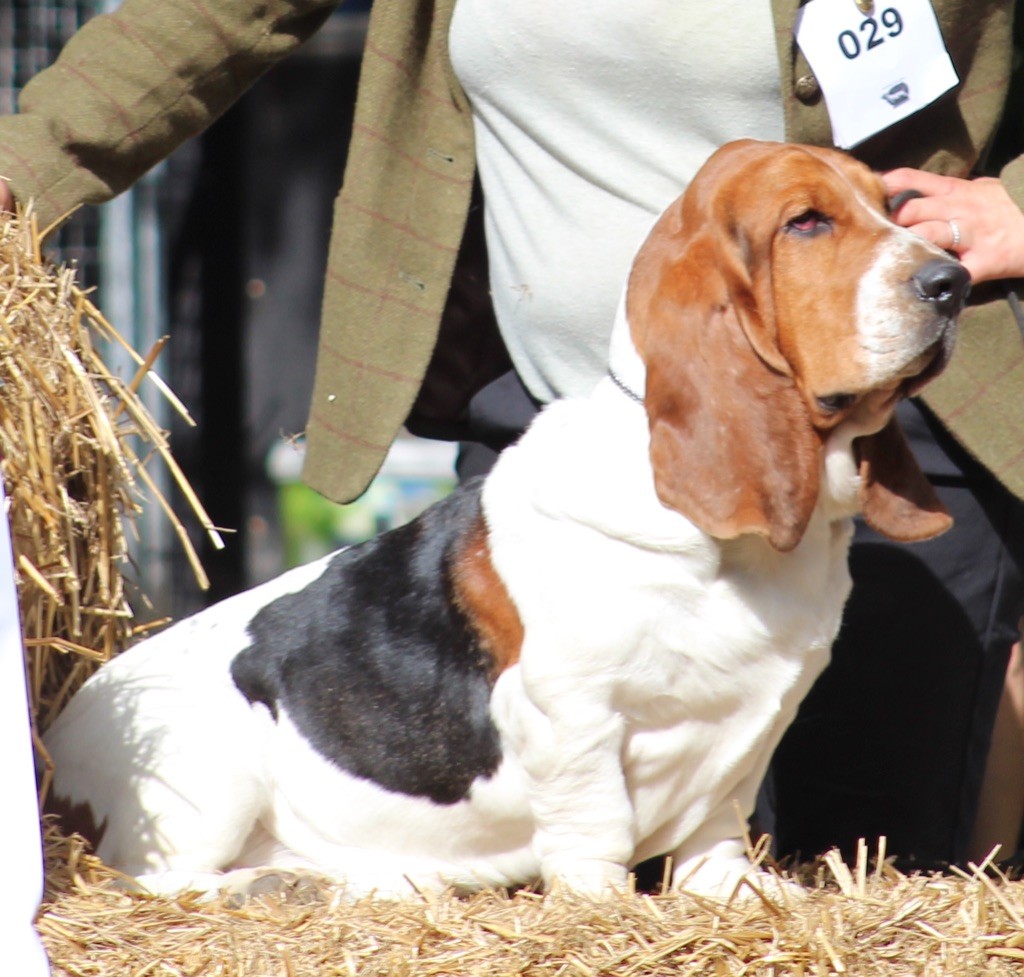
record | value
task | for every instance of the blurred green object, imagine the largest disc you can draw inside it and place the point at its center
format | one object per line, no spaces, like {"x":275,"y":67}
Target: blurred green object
{"x":415,"y":474}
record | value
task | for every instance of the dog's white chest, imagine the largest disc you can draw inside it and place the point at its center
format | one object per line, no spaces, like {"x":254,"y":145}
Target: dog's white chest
{"x":680,"y":658}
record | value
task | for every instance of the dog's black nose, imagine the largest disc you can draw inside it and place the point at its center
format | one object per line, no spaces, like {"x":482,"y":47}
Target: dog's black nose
{"x":944,"y":282}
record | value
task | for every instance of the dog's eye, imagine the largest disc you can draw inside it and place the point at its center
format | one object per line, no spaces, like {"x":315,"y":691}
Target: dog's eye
{"x":835,"y":403}
{"x":809,"y":223}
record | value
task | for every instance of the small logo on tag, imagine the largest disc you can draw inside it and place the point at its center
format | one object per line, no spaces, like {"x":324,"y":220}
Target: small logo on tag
{"x":897,"y":94}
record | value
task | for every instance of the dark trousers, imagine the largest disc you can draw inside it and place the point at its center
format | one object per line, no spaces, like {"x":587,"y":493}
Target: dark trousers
{"x":498,"y":415}
{"x":892,"y":739}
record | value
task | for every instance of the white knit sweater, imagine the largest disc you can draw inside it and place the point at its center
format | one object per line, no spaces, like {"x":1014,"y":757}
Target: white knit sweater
{"x":590,"y":118}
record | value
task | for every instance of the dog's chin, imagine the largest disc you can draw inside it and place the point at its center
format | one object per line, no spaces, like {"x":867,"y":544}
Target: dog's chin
{"x":929,"y":364}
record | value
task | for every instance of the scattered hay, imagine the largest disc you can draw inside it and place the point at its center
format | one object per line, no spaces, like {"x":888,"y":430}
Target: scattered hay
{"x":75,"y":441}
{"x":863,"y":922}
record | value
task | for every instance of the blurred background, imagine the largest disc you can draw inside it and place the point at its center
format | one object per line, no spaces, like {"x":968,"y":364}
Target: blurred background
{"x":223,"y":249}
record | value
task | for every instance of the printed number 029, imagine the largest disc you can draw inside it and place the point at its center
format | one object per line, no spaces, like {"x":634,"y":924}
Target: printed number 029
{"x":872,"y":33}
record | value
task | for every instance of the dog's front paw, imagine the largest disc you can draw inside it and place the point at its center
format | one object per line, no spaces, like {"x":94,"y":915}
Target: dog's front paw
{"x":725,"y":873}
{"x":592,"y":877}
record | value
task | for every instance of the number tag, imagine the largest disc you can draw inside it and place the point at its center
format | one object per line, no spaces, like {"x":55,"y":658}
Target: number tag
{"x":874,"y":69}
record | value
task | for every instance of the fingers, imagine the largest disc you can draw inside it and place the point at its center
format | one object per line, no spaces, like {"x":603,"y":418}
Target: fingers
{"x":938,"y":209}
{"x":950,"y":235}
{"x":921,"y":202}
{"x":6,"y":198}
{"x":938,"y":220}
{"x":975,"y":220}
{"x":929,"y":184}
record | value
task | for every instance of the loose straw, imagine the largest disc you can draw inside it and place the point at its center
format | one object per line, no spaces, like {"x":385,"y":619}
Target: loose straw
{"x":73,"y":471}
{"x":853,"y":920}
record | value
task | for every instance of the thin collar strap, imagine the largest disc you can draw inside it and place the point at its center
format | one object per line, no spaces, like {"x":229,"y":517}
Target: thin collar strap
{"x":625,"y":388}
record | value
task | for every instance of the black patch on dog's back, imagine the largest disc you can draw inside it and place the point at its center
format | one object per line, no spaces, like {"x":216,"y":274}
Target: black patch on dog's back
{"x":377,"y":667}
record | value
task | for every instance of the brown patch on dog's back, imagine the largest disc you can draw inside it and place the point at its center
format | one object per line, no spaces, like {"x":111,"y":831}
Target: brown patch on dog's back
{"x":77,"y":819}
{"x":482,"y":596}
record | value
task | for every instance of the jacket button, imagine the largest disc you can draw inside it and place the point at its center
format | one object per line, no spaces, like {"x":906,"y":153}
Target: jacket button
{"x":806,"y":88}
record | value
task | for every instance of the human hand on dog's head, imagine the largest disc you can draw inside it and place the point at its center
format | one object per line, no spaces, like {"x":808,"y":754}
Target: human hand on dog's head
{"x":976,"y":220}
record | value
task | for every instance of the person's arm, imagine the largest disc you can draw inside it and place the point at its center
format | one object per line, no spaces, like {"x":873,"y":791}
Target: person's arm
{"x":133,"y":85}
{"x":1001,"y":804}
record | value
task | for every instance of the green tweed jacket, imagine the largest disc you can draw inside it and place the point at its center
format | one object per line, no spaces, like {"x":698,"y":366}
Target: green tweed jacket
{"x":133,"y":85}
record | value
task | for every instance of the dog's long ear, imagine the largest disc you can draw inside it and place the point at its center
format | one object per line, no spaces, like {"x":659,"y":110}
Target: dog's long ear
{"x":732,"y":444}
{"x":896,"y":499}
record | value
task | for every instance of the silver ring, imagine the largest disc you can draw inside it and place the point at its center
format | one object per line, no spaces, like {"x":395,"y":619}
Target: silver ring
{"x":954,"y":229}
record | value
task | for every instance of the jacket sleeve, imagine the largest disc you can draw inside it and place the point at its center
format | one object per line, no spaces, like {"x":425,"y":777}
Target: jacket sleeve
{"x":132,"y":85}
{"x":1012,"y":176}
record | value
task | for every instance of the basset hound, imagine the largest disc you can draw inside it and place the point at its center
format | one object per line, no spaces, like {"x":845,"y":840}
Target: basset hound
{"x":587,"y":657}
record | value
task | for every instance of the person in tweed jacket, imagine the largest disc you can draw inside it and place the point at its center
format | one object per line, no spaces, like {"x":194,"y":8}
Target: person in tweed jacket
{"x":894,"y":738}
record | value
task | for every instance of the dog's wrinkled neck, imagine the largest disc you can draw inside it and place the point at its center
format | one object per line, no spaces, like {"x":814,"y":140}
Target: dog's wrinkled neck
{"x":840,"y":475}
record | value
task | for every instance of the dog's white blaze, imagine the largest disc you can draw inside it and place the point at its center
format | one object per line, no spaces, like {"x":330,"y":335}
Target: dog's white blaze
{"x":888,"y":342}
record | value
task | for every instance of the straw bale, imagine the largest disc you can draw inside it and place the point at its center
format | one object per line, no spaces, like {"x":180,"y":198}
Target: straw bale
{"x":75,"y":442}
{"x":866,"y":920}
